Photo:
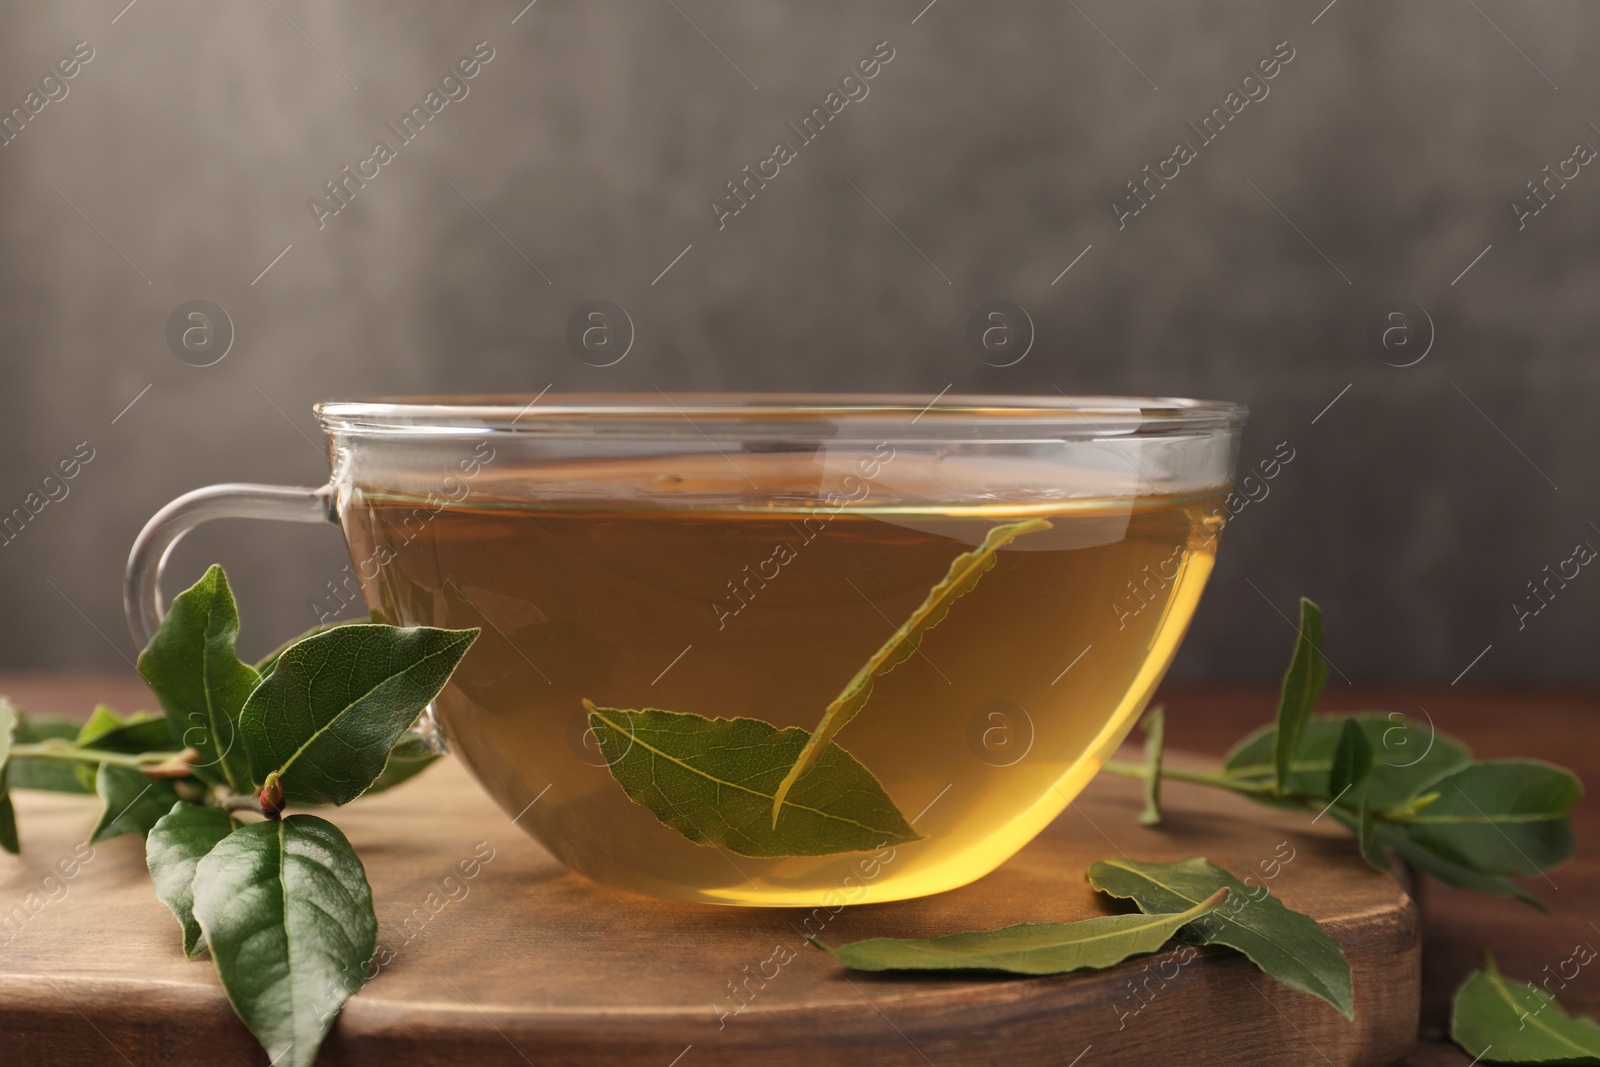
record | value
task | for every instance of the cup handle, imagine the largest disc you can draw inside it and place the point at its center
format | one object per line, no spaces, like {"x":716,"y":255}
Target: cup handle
{"x":141,"y":585}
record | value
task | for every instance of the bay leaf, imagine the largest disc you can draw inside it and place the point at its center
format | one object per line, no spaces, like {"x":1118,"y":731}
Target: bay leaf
{"x":1395,"y":838}
{"x":1498,"y":1020}
{"x":1027,"y":948}
{"x":1500,"y":817}
{"x":410,"y":756}
{"x":108,"y":731}
{"x":265,"y":665}
{"x":1407,"y":754}
{"x":1352,"y":760}
{"x":1302,"y":686}
{"x":8,"y":814}
{"x":963,"y":575}
{"x":287,"y":913}
{"x":328,"y":715}
{"x":133,"y":802}
{"x":1154,"y":725}
{"x":191,"y":666}
{"x":176,"y":844}
{"x":713,"y":781}
{"x":1287,"y":945}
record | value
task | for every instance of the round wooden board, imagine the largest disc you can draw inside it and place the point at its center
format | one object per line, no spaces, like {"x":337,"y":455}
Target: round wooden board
{"x":525,"y":963}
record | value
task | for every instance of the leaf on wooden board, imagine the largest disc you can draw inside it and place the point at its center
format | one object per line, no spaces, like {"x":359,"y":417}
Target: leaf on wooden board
{"x":1154,"y":725}
{"x":1407,"y":754}
{"x":1287,"y":945}
{"x":1027,"y":948}
{"x":176,"y":844}
{"x":191,"y":666}
{"x":52,"y":775}
{"x":326,"y":718}
{"x":963,"y":575}
{"x":133,"y":802}
{"x":1500,"y":817}
{"x":1302,"y":685}
{"x":287,"y":913}
{"x":713,"y":781}
{"x":1500,"y":1020}
{"x":1352,"y":760}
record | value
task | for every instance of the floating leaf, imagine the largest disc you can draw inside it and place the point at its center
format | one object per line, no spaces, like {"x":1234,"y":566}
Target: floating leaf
{"x":1501,"y":817}
{"x":1028,"y":948}
{"x":177,"y":843}
{"x":327,"y":716}
{"x":1407,"y":754}
{"x":1287,"y":945}
{"x":1352,"y":760}
{"x":1302,"y":685}
{"x":1502,"y":1021}
{"x":191,"y":666}
{"x":133,"y":802}
{"x":52,"y":775}
{"x":1154,"y":726}
{"x":287,"y":913}
{"x":713,"y":781}
{"x":965,"y":570}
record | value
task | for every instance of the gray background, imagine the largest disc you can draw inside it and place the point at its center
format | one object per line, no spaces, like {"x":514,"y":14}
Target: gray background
{"x":1417,"y":507}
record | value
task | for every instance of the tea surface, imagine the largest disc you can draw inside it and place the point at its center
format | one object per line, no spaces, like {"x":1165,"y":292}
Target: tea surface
{"x":1005,"y":712}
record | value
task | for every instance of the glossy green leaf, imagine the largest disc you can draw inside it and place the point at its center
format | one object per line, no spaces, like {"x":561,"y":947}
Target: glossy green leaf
{"x":1407,"y":754}
{"x":287,"y":913}
{"x":52,"y":775}
{"x":1154,"y":725}
{"x":1287,"y":945}
{"x":1499,"y":1020}
{"x":133,"y":802}
{"x":326,"y":717}
{"x":191,"y":666}
{"x":176,"y":844}
{"x":1028,"y":948}
{"x":963,"y":575}
{"x":1352,"y":760}
{"x":1394,"y":837}
{"x":713,"y":781}
{"x":265,"y":666}
{"x":1302,"y":685}
{"x":1501,"y":817}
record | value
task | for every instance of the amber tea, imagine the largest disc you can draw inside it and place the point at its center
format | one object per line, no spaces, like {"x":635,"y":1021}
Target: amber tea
{"x":629,"y":584}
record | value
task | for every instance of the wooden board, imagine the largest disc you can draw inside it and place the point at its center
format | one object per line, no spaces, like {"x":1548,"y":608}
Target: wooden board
{"x":525,"y":963}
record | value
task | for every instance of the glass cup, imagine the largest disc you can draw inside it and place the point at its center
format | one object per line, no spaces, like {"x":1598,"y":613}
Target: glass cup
{"x":750,"y":557}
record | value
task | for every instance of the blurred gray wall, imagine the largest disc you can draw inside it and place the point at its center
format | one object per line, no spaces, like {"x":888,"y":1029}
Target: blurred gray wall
{"x":983,"y":161}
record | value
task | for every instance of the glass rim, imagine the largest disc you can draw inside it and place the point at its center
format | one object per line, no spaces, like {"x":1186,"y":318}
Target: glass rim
{"x":559,"y":412}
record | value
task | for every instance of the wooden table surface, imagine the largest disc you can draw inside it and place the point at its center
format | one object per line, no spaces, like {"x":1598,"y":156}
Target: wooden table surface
{"x":1558,"y":726}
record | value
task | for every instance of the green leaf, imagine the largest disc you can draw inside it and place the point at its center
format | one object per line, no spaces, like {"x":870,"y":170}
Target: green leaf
{"x":1287,"y":945}
{"x":270,"y":660}
{"x":52,"y":775}
{"x":133,"y":802}
{"x":1154,"y":726}
{"x":326,"y":717}
{"x":1502,"y":1021}
{"x":409,"y":757}
{"x":1302,"y":685}
{"x":109,"y":732}
{"x":177,"y":843}
{"x":1407,"y":754}
{"x":713,"y":781}
{"x":191,"y":666}
{"x":8,"y":814}
{"x":1028,"y":948}
{"x":965,"y":570}
{"x":287,"y":912}
{"x":1395,"y":838}
{"x":1366,"y":831}
{"x":1352,"y":760}
{"x":1500,"y":817}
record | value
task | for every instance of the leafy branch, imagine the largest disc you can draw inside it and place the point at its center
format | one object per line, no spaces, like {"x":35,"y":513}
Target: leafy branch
{"x":1399,"y":785}
{"x":282,"y":903}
